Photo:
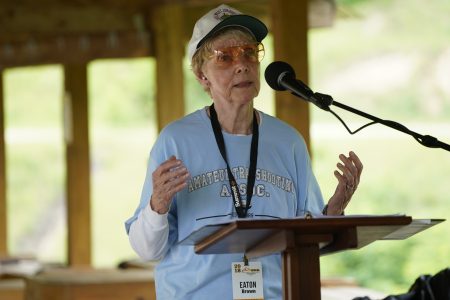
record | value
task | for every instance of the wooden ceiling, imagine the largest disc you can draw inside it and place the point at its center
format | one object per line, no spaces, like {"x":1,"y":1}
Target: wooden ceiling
{"x":62,"y":31}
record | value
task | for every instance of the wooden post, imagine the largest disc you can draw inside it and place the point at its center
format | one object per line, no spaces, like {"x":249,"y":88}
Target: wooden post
{"x":167,"y":24}
{"x":290,"y":28}
{"x":78,"y":165}
{"x":3,"y":206}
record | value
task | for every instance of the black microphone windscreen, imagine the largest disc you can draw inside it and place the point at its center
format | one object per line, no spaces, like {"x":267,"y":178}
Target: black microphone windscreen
{"x":273,"y":72}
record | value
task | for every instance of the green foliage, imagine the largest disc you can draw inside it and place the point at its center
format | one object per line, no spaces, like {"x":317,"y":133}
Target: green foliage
{"x":41,"y":105}
{"x":34,"y":189}
{"x":399,"y":177}
{"x":385,"y":56}
{"x":119,"y":160}
{"x":122,"y":91}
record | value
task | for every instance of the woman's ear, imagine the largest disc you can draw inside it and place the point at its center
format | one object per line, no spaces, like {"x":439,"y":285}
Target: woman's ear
{"x":202,"y":79}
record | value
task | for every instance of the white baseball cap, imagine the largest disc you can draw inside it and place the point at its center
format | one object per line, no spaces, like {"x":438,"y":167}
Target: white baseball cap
{"x":221,"y":17}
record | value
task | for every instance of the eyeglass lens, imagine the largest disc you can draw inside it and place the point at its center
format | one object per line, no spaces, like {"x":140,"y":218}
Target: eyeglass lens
{"x":250,"y":52}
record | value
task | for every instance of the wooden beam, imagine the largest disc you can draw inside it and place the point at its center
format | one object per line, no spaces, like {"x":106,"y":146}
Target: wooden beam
{"x":75,"y":49}
{"x":289,"y":28}
{"x":3,"y":206}
{"x":169,"y":51}
{"x":78,"y":165}
{"x":24,"y":19}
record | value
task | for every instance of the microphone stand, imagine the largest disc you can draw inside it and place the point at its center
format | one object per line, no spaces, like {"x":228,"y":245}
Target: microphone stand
{"x":324,"y":101}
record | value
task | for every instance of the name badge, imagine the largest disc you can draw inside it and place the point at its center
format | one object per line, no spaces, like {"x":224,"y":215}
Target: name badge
{"x":247,"y":281}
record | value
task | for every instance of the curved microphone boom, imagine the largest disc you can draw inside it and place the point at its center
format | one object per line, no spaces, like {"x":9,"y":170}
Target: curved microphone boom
{"x":280,"y":76}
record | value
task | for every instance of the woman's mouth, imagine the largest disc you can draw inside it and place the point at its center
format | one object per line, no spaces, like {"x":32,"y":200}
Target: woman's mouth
{"x":243,"y":84}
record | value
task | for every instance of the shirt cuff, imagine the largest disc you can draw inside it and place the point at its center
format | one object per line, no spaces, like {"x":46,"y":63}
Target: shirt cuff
{"x":155,"y":220}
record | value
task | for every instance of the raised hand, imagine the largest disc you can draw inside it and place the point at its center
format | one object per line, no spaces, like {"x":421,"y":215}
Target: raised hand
{"x":168,"y":179}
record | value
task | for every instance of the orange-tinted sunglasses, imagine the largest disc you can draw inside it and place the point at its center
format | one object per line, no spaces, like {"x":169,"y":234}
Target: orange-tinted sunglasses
{"x":227,"y":56}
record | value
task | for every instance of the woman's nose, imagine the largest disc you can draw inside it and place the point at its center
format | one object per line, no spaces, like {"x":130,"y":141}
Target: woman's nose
{"x":241,"y":65}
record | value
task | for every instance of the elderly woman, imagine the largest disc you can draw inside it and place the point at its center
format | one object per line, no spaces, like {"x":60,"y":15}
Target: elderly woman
{"x":223,"y":162}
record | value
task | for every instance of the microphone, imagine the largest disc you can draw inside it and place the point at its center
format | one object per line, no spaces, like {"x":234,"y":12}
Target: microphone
{"x":280,"y":76}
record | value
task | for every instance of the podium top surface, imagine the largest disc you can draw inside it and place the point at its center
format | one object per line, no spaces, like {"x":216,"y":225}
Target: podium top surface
{"x":240,"y":235}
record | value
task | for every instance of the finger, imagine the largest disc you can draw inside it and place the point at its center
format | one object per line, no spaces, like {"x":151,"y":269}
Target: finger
{"x":179,"y":172}
{"x":173,"y":181}
{"x":167,"y":170}
{"x":174,"y":177}
{"x":178,"y":185}
{"x":357,"y":167}
{"x":344,"y":184}
{"x":341,"y":179}
{"x":177,"y":176}
{"x":346,"y":172}
{"x":348,"y":162}
{"x":168,"y":179}
{"x":171,"y":163}
{"x":357,"y":162}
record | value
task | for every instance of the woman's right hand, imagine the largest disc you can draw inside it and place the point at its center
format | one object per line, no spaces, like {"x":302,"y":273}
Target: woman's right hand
{"x":168,"y":179}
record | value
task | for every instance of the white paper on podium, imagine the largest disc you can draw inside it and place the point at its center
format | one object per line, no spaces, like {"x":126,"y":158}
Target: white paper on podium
{"x":416,"y":226}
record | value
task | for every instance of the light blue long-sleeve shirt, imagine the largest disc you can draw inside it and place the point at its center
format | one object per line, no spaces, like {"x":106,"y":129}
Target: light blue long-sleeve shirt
{"x":285,"y":187}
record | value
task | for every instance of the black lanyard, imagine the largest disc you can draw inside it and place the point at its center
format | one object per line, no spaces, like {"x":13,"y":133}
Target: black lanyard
{"x":237,"y":201}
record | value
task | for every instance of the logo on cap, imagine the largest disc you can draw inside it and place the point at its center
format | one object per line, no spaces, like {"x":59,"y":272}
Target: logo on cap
{"x":224,"y":13}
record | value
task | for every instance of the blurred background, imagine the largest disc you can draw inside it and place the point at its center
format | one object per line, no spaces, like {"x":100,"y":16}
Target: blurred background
{"x":389,"y":58}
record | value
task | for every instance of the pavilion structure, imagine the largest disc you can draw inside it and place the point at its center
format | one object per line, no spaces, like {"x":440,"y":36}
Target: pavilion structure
{"x":74,"y":33}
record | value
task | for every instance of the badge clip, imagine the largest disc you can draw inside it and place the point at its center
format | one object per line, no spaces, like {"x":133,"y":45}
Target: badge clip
{"x":245,"y":260}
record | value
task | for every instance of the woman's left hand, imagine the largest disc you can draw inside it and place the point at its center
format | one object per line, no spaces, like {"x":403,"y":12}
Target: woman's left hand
{"x":348,"y":180}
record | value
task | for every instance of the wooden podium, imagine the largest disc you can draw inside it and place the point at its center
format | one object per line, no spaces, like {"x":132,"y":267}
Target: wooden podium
{"x":301,"y":242}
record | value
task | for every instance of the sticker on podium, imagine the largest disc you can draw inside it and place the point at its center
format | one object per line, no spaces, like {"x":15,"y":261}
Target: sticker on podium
{"x":247,"y":281}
